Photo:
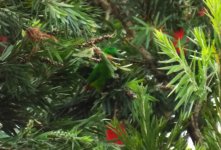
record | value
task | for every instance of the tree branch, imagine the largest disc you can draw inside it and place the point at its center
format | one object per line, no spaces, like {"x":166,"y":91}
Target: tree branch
{"x":193,"y":128}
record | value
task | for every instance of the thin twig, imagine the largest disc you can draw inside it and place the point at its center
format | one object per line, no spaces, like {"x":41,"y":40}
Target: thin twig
{"x":96,"y":40}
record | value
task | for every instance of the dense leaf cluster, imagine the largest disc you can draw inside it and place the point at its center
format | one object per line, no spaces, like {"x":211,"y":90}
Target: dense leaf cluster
{"x":71,"y":70}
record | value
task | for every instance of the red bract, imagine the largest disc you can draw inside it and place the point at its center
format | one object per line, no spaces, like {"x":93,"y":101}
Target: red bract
{"x":3,"y":39}
{"x":112,"y":136}
{"x":178,"y":35}
{"x":202,"y":12}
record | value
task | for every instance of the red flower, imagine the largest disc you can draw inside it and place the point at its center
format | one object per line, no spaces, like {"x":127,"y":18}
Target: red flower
{"x":202,"y":12}
{"x":178,"y":35}
{"x":3,"y":39}
{"x":112,"y":136}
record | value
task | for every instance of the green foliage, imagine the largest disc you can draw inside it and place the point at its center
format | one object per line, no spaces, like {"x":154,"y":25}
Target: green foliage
{"x":144,"y":31}
{"x":10,"y":22}
{"x":148,"y":131}
{"x":189,"y":83}
{"x":64,"y":74}
{"x":32,"y":139}
{"x":214,"y":14}
{"x":72,"y":17}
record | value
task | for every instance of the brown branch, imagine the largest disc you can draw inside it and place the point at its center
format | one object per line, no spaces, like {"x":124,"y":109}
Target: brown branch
{"x":150,"y":62}
{"x":152,"y":65}
{"x":26,"y":58}
{"x":193,"y":127}
{"x":106,"y":6}
{"x":94,"y":41}
{"x":118,"y":13}
{"x":50,"y":62}
{"x":111,"y":8}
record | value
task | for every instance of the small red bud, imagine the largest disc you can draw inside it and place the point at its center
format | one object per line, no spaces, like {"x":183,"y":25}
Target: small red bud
{"x":3,"y":39}
{"x":202,"y":12}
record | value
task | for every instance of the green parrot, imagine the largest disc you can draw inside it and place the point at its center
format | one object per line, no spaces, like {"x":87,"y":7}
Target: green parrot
{"x":103,"y":71}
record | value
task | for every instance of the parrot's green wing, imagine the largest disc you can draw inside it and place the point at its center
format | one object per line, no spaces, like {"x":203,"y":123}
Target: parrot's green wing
{"x":101,"y":73}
